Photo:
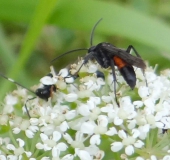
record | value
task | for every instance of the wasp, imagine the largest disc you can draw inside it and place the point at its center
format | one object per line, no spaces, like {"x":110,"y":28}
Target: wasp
{"x":43,"y":92}
{"x":108,"y":55}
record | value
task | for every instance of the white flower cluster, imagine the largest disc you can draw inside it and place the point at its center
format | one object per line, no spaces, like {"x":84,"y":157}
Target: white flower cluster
{"x":81,"y":120}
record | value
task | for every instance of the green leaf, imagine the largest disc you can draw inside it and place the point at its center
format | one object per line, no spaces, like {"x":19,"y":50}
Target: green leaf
{"x":120,"y":20}
{"x":38,"y":21}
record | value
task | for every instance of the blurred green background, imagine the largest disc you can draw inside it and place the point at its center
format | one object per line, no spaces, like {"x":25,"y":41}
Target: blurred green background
{"x":32,"y":33}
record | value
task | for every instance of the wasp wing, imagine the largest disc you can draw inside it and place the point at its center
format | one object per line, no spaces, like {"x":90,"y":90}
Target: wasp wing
{"x":123,"y":54}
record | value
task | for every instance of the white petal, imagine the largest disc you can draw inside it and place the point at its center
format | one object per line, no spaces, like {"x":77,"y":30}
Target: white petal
{"x":112,"y":131}
{"x":84,"y":110}
{"x":29,"y":133}
{"x":2,"y":157}
{"x":132,"y":124}
{"x":89,"y":84}
{"x":159,"y":124}
{"x":18,"y":152}
{"x":102,"y":120}
{"x":153,"y":157}
{"x":21,"y":142}
{"x":129,"y":150}
{"x":71,"y":97}
{"x":64,"y":126}
{"x":135,"y":133}
{"x":146,"y":128}
{"x":56,"y":136}
{"x":55,"y":152}
{"x":11,"y":157}
{"x":33,"y":128}
{"x":70,"y":114}
{"x":16,"y":130}
{"x":45,"y":158}
{"x":87,"y":127}
{"x":106,"y":99}
{"x":96,"y":100}
{"x":92,"y":68}
{"x":68,"y":138}
{"x":62,"y":146}
{"x":47,"y":80}
{"x":63,"y":72}
{"x":116,"y":146}
{"x":139,"y":158}
{"x":47,"y":148}
{"x":39,"y":146}
{"x":95,"y":139}
{"x":68,"y":157}
{"x":34,"y":121}
{"x":10,"y":147}
{"x":43,"y":137}
{"x":11,"y":100}
{"x":143,"y":91}
{"x":48,"y":130}
{"x":28,"y":153}
{"x":149,"y":102}
{"x":122,"y":134}
{"x":166,"y":157}
{"x":84,"y":155}
{"x":125,"y":101}
{"x":118,"y":121}
{"x":138,"y":144}
{"x":138,"y":104}
{"x":150,"y":76}
{"x":69,"y":79}
{"x":108,"y":108}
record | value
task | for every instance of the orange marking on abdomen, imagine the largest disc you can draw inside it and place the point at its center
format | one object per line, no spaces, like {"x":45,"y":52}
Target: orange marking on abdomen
{"x":119,"y":62}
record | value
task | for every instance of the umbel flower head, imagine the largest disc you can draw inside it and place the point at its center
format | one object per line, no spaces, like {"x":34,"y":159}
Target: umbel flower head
{"x":82,"y":120}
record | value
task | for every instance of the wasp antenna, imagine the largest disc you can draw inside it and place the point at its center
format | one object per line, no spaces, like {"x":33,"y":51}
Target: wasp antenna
{"x":11,"y":80}
{"x":75,"y":50}
{"x":92,"y":32}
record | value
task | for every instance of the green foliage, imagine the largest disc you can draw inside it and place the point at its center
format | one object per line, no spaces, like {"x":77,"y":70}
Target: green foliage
{"x":34,"y":32}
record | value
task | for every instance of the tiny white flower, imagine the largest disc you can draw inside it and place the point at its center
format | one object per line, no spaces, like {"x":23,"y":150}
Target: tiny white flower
{"x":11,"y":100}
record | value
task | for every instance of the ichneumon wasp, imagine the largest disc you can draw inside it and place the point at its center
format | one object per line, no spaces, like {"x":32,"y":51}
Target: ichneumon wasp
{"x":107,"y":55}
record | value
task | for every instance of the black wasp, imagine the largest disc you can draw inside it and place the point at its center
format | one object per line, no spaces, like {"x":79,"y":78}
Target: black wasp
{"x":107,"y":55}
{"x":44,"y":92}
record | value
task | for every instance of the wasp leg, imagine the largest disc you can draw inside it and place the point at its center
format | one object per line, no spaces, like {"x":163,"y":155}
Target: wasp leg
{"x":26,"y":106}
{"x":131,"y":48}
{"x":86,"y":59}
{"x":114,"y":80}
